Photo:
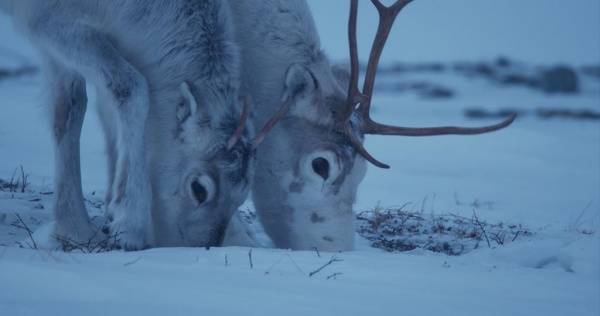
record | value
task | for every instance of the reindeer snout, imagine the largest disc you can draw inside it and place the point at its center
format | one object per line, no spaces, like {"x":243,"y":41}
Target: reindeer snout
{"x":217,"y":235}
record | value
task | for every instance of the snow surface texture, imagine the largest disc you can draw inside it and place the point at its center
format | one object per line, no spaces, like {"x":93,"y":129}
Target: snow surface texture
{"x":543,"y":175}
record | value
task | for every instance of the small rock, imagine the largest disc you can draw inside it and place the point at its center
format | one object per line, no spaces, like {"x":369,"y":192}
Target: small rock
{"x":503,"y":62}
{"x":560,"y":79}
{"x":437,"y":93}
{"x":593,"y":71}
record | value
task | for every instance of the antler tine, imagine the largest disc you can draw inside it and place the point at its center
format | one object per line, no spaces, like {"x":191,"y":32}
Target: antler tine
{"x":387,"y":16}
{"x":361,"y":149}
{"x":354,"y":95}
{"x":239,"y":131}
{"x":260,"y":136}
{"x":373,"y":128}
{"x":398,"y":5}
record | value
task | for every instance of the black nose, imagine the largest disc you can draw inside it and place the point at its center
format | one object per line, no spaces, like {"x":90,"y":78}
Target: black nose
{"x":217,"y":235}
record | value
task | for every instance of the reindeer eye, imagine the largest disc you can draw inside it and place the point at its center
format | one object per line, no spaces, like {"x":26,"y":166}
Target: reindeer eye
{"x":201,"y":188}
{"x":321,"y":167}
{"x":199,"y":191}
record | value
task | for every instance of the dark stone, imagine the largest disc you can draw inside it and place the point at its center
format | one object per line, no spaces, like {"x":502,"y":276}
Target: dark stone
{"x":592,"y":71}
{"x":519,"y":80}
{"x":560,"y":79}
{"x":422,"y":88}
{"x":429,"y":67}
{"x":437,"y":93}
{"x":503,"y":62}
{"x":475,"y":69}
{"x":479,"y":113}
{"x":568,"y":113}
{"x":485,"y":70}
{"x":420,"y":67}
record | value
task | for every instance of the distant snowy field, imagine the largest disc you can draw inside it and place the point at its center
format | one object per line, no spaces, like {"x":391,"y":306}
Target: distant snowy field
{"x":544,"y":174}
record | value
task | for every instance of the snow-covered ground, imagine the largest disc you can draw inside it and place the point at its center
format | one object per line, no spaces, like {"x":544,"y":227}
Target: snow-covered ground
{"x":181,"y":281}
{"x":544,"y":174}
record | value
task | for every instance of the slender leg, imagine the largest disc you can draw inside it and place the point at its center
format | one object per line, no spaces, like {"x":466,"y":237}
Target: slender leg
{"x":92,"y":54}
{"x":68,"y":106}
{"x":106,"y":112}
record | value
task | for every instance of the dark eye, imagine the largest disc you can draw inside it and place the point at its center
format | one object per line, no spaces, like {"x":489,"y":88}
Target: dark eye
{"x":321,"y":167}
{"x":199,"y":191}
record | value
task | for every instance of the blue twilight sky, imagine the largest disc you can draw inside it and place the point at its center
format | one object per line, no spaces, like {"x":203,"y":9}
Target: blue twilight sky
{"x":540,"y":31}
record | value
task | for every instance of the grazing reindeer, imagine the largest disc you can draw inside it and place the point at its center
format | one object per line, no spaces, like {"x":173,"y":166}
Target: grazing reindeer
{"x":167,"y":77}
{"x":309,"y":167}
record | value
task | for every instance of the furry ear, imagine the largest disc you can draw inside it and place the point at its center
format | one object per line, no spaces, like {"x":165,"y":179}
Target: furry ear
{"x":342,"y":75}
{"x":189,"y":106}
{"x":299,"y":81}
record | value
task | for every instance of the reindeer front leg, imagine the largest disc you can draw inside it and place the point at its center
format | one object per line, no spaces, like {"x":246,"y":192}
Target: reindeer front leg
{"x":68,"y":103}
{"x":91,"y":53}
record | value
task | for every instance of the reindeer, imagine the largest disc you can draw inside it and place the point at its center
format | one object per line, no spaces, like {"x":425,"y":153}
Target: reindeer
{"x":310,"y":165}
{"x":167,"y":76}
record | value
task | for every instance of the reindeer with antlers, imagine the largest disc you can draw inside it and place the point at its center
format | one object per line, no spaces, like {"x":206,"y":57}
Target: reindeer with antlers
{"x":167,"y":77}
{"x":312,"y":157}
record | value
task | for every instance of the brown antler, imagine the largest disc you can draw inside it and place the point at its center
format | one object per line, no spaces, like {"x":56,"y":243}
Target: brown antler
{"x":239,"y":131}
{"x":354,"y":95}
{"x":387,"y":16}
{"x":260,"y":136}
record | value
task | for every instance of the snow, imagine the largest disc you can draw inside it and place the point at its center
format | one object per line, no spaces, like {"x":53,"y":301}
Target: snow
{"x":196,"y":281}
{"x":544,"y":174}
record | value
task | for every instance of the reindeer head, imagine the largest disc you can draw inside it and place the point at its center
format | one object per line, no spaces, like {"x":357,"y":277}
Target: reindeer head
{"x":307,"y":176}
{"x":211,"y":171}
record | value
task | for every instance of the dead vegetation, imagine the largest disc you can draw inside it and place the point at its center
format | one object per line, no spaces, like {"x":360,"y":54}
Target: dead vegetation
{"x":331,"y":261}
{"x":19,"y":181}
{"x":99,"y":242}
{"x":20,"y":224}
{"x":402,"y":230}
{"x":17,"y":186}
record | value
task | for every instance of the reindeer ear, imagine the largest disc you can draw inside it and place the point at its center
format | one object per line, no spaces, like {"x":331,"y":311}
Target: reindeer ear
{"x":342,"y":75}
{"x":189,"y":106}
{"x":299,"y":81}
